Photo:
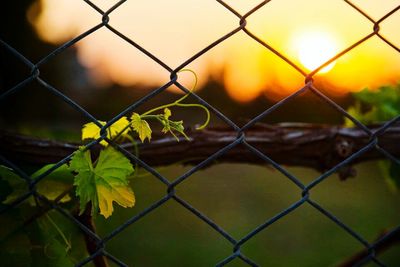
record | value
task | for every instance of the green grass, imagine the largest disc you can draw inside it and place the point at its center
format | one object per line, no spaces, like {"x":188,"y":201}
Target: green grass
{"x":239,"y":198}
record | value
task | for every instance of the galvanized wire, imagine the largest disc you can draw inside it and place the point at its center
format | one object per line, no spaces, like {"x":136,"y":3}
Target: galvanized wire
{"x":305,"y":190}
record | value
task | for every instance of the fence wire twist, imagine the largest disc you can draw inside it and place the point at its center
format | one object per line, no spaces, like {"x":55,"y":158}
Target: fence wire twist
{"x":304,"y":189}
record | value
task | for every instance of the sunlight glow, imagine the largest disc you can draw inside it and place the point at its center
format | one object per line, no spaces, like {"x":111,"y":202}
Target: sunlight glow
{"x":314,"y":49}
{"x":312,"y":35}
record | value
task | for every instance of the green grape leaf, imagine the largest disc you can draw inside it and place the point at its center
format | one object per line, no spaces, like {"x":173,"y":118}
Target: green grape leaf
{"x":141,"y":127}
{"x":92,"y":131}
{"x":81,"y":163}
{"x":377,"y":106}
{"x":56,"y":183}
{"x":103,"y":183}
{"x":374,"y":106}
{"x":51,"y":186}
{"x":17,"y":184}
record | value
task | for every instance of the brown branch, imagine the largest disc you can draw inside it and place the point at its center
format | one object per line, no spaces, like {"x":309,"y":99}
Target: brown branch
{"x":383,"y":242}
{"x":308,"y":145}
{"x":91,"y":246}
{"x":316,"y":146}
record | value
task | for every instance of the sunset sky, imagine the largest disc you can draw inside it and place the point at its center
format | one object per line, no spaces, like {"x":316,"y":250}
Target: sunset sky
{"x":306,"y":31}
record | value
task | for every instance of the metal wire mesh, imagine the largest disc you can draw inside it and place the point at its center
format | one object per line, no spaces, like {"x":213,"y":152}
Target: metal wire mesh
{"x":305,"y":190}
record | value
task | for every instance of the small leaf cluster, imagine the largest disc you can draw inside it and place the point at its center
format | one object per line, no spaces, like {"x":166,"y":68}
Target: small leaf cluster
{"x":378,"y":106}
{"x":93,"y":182}
{"x":103,"y":180}
{"x":375,"y":106}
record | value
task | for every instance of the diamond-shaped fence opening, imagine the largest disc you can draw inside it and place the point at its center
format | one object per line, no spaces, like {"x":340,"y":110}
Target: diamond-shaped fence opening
{"x":337,"y":242}
{"x":65,"y":232}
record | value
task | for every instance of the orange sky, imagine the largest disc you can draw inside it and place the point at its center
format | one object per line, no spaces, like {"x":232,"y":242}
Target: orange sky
{"x":175,"y":30}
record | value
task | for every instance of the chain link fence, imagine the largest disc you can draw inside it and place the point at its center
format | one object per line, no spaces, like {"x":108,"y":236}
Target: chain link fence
{"x":305,"y":190}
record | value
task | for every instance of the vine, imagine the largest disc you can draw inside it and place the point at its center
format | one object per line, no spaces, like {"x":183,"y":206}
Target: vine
{"x":98,"y":183}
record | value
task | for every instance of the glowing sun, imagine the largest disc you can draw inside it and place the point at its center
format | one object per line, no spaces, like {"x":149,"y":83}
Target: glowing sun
{"x":315,"y":48}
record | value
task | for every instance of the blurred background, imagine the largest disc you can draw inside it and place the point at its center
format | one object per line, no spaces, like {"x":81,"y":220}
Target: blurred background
{"x":104,"y":74}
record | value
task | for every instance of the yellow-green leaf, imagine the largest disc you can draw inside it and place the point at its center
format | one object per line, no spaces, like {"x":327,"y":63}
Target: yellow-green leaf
{"x":141,"y":127}
{"x":121,"y":194}
{"x":104,"y":183}
{"x":92,"y":131}
{"x":120,"y":126}
{"x":167,"y":113}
